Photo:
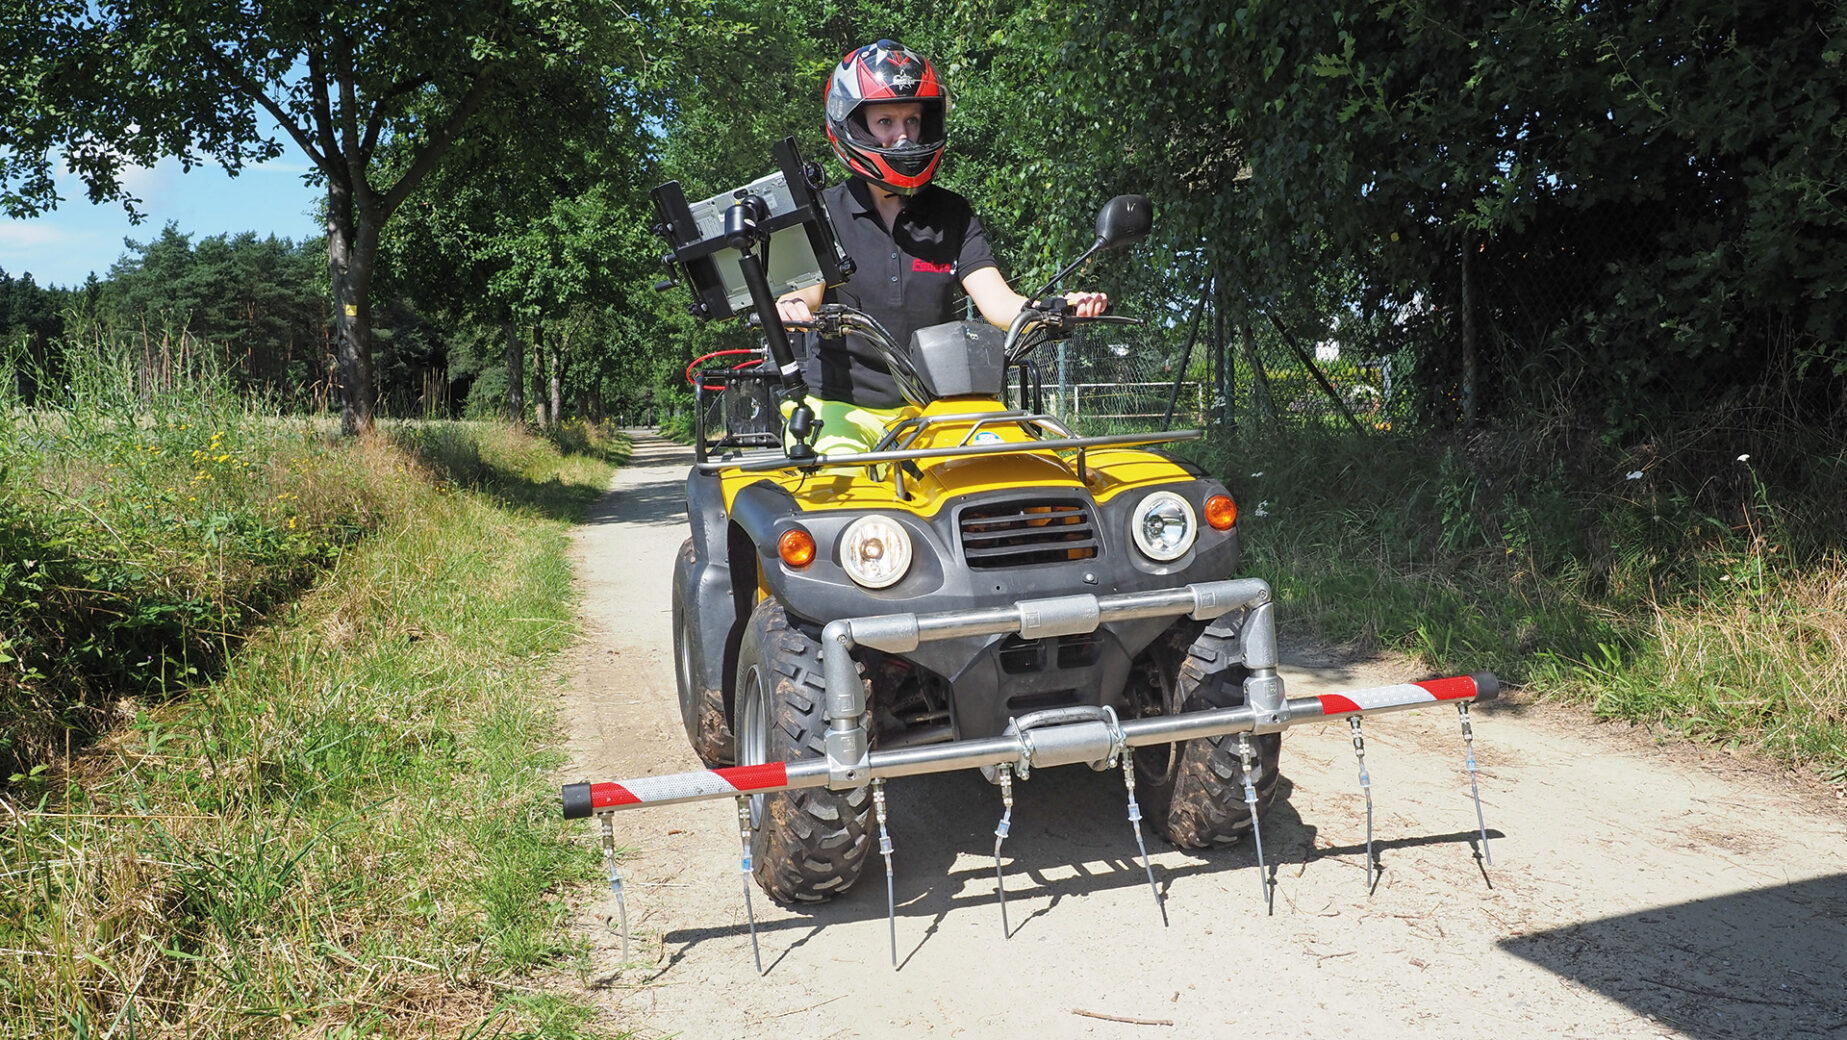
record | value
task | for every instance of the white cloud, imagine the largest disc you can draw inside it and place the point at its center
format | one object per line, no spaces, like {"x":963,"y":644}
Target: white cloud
{"x":30,"y":234}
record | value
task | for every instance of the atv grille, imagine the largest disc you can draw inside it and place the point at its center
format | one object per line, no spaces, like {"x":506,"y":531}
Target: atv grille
{"x":1020,"y":534}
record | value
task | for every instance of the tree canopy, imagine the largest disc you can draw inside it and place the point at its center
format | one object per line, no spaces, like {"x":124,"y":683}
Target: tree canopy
{"x":1616,"y":210}
{"x":130,"y":81}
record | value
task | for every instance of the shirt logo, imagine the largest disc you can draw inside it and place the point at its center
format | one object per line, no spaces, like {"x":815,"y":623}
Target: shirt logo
{"x":926,"y":267}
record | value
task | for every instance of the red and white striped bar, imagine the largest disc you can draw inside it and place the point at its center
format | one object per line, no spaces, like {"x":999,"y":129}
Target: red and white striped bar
{"x":582,"y":800}
{"x":1057,"y":745}
{"x":1399,"y":696}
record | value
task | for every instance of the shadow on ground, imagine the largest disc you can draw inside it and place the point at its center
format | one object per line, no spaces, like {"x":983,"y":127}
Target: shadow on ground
{"x":1070,"y":839}
{"x":1771,"y":962}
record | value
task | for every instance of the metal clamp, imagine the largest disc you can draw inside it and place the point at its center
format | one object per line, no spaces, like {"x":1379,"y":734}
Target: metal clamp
{"x":1118,"y":743}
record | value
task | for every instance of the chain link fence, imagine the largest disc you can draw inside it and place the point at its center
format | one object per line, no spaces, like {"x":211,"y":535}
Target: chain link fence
{"x":1227,"y":374}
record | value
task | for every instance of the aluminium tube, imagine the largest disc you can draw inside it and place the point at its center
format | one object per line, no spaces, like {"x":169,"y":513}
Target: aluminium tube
{"x":847,"y":742}
{"x":1047,"y":746}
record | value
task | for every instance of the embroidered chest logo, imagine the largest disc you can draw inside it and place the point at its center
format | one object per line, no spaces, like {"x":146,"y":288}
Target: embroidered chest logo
{"x":926,"y":267}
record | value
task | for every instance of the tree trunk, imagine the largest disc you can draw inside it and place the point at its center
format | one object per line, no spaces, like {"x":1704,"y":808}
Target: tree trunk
{"x":541,"y":400}
{"x":1470,"y":364}
{"x":352,"y":246}
{"x":559,"y":345}
{"x":516,"y":374}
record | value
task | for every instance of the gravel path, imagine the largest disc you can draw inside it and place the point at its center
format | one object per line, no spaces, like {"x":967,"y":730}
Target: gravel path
{"x":1635,"y":891}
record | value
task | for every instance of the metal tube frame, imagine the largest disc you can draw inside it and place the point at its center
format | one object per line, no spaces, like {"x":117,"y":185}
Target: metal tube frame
{"x":1096,"y":738}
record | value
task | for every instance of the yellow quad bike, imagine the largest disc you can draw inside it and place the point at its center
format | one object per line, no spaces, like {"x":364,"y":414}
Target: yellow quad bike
{"x":980,"y":573}
{"x":978,"y":588}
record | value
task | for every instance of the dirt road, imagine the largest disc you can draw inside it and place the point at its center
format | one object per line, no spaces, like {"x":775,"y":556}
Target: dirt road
{"x":1635,"y":891}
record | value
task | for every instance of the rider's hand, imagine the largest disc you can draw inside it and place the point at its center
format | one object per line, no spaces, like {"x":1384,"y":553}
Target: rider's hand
{"x":1087,"y":304}
{"x":793,"y":309}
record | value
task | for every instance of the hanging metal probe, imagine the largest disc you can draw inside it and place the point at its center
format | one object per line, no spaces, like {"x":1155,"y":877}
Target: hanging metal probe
{"x":1468,"y":741}
{"x":615,"y":879}
{"x":750,"y":912}
{"x":1359,"y":750}
{"x":1119,"y":748}
{"x":1005,"y":771}
{"x":891,"y":905}
{"x":1135,"y":824}
{"x":1245,"y":756}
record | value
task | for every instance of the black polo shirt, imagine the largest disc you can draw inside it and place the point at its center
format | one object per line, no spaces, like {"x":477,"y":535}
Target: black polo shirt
{"x":906,"y":277}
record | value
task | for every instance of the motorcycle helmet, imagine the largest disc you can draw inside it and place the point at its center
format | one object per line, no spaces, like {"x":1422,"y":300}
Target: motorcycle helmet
{"x":881,"y":72}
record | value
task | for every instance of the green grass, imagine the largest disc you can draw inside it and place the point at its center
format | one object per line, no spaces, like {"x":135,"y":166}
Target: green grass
{"x":342,"y":822}
{"x":1675,"y":585}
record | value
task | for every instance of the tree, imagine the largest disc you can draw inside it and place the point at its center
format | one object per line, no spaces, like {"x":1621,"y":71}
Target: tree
{"x":258,"y":303}
{"x":123,"y":82}
{"x":1634,"y":203}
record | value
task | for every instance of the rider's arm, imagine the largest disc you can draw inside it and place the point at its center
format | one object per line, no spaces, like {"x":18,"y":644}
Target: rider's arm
{"x":800,"y":305}
{"x":998,"y":302}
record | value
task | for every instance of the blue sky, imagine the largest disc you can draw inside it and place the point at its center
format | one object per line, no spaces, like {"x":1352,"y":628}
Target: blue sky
{"x":64,"y":246}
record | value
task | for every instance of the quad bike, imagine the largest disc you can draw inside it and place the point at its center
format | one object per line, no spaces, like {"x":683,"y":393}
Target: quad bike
{"x":982,"y":588}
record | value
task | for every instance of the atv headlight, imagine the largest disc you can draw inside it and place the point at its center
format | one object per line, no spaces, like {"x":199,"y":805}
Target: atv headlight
{"x":1164,"y":525}
{"x":876,"y":551}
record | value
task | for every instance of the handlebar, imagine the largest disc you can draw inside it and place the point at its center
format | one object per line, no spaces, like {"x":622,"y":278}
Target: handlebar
{"x":1039,"y":321}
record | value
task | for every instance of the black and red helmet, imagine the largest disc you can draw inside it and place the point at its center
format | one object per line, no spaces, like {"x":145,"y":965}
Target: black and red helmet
{"x":881,"y":72}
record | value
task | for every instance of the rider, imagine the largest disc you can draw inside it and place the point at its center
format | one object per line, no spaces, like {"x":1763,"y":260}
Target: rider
{"x":912,"y":242}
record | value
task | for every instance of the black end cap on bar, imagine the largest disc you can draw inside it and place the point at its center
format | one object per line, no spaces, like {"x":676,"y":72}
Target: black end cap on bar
{"x":577,"y":800}
{"x":1487,"y":688}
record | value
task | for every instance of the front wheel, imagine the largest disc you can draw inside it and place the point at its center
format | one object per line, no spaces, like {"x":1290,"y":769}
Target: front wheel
{"x":1194,"y":792}
{"x":806,"y":845}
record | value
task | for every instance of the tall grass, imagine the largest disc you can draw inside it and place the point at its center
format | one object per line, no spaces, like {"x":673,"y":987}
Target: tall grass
{"x":144,"y":528}
{"x":342,"y":824}
{"x":1682,"y":582}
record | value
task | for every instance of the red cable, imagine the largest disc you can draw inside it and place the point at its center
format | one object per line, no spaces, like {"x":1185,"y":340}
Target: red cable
{"x":695,"y":363}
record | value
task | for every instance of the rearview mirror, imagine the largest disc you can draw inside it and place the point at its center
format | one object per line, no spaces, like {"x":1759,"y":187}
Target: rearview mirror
{"x":1124,"y":221}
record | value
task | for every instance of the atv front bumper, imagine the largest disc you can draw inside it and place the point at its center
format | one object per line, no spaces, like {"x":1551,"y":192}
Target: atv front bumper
{"x":1061,"y":736}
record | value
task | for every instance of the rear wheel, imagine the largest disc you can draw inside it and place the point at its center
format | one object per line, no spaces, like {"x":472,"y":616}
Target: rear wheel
{"x":806,"y":845}
{"x":1193,"y":792}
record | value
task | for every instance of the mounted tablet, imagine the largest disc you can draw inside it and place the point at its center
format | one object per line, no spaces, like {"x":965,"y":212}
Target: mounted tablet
{"x":800,"y":249}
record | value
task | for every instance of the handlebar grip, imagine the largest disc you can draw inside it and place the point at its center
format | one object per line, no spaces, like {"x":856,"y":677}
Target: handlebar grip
{"x":756,"y":323}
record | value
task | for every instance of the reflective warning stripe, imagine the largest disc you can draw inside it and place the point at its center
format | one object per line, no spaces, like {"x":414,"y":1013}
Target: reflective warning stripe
{"x":680,"y":786}
{"x":1401,"y":695}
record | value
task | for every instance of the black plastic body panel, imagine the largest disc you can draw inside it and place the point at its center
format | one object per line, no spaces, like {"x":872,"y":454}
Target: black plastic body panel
{"x":703,"y":577}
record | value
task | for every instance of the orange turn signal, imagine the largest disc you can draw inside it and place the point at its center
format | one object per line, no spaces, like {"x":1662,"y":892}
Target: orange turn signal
{"x":1221,"y":512}
{"x":796,"y":547}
